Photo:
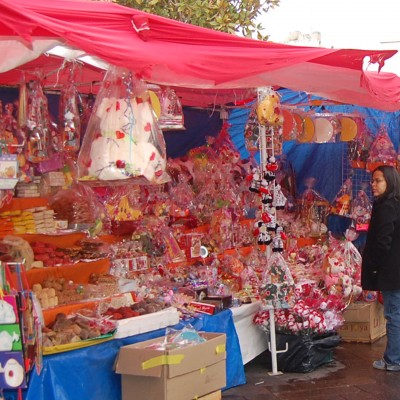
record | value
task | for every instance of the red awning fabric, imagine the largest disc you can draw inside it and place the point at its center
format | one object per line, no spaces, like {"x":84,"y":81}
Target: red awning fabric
{"x":205,"y":67}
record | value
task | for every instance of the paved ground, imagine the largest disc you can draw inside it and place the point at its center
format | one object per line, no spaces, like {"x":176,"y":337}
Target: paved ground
{"x":349,"y":376}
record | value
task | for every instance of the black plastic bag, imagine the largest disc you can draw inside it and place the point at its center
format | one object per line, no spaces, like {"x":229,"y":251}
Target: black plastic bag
{"x":305,"y":352}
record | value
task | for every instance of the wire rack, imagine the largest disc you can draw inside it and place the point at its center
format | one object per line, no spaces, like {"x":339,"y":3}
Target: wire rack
{"x":360,"y":178}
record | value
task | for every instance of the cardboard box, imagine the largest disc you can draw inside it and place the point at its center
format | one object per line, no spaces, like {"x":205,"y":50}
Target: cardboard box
{"x":364,"y":322}
{"x":212,"y":396}
{"x":177,"y":374}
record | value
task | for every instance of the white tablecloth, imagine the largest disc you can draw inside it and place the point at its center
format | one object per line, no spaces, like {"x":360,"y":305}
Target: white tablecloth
{"x":252,"y":339}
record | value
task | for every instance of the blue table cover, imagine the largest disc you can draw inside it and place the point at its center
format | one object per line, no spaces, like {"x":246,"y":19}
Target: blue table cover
{"x":88,"y":373}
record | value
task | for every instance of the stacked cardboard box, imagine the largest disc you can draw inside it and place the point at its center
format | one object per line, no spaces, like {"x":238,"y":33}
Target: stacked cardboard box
{"x":177,"y":374}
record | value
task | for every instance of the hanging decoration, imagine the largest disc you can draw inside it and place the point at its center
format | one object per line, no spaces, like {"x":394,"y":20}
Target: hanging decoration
{"x":382,"y":151}
{"x":37,"y":123}
{"x":70,"y":122}
{"x":123,"y":139}
{"x":171,"y":116}
{"x":342,"y":202}
{"x":361,"y":211}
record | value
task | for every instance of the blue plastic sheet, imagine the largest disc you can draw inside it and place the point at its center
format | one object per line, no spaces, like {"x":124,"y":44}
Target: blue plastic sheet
{"x":88,"y":373}
{"x":322,"y":161}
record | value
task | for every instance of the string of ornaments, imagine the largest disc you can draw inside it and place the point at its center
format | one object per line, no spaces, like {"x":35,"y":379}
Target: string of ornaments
{"x":262,"y":179}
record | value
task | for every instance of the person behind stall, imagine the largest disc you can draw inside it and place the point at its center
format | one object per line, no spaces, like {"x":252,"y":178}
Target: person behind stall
{"x":381,"y":258}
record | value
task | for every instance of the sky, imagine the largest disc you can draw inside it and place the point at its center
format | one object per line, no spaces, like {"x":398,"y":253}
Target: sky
{"x":346,"y":24}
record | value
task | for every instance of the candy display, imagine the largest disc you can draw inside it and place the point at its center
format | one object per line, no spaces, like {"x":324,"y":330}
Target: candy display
{"x":197,"y":233}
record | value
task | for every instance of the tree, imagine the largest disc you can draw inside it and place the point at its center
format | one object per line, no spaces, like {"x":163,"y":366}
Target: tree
{"x":232,"y":16}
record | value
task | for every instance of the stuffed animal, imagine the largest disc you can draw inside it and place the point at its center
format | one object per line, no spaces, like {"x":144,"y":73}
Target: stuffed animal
{"x":125,"y":147}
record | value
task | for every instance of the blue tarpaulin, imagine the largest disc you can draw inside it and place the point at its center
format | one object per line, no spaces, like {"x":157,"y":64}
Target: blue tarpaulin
{"x":88,"y":373}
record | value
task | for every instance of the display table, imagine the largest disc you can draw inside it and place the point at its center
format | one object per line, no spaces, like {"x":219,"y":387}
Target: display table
{"x":88,"y":373}
{"x":253,"y":340}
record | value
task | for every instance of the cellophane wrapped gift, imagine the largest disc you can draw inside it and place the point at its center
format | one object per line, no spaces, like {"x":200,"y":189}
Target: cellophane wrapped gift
{"x":361,"y":211}
{"x":358,"y":149}
{"x":171,"y":117}
{"x":342,"y":202}
{"x":37,"y":123}
{"x":342,"y":266}
{"x":277,"y":287}
{"x":123,"y":139}
{"x":382,"y":151}
{"x":70,"y":122}
{"x":78,"y":205}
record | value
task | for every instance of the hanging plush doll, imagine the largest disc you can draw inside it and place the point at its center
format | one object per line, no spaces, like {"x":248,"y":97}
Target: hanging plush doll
{"x":270,"y":169}
{"x":255,"y":181}
{"x":261,"y":231}
{"x":278,"y":240}
{"x":271,"y":225}
{"x":280,"y":199}
{"x":266,"y":196}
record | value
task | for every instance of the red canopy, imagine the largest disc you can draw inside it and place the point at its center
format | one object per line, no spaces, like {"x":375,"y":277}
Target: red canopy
{"x":205,"y":66}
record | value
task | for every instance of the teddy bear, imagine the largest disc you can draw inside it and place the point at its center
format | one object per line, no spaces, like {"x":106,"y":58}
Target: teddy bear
{"x":129,"y":143}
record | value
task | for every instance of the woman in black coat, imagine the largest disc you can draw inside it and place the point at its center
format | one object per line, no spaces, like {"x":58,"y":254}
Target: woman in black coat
{"x":381,"y":258}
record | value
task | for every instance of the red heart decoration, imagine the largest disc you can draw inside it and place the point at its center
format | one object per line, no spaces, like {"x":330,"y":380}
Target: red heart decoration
{"x":147,"y":128}
{"x":119,"y":134}
{"x":265,"y":217}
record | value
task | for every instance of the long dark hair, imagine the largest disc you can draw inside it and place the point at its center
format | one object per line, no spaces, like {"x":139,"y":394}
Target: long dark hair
{"x":392,"y":179}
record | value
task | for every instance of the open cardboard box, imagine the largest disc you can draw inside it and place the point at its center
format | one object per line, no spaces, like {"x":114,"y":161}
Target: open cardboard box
{"x":178,"y":374}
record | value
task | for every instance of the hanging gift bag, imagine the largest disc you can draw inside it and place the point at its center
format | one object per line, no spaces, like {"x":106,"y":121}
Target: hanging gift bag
{"x":123,"y":139}
{"x":361,"y":211}
{"x":171,"y":116}
{"x":70,"y":123}
{"x":382,"y":151}
{"x":342,"y":203}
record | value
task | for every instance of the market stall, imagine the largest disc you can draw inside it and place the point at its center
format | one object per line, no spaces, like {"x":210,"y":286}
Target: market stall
{"x":190,"y":232}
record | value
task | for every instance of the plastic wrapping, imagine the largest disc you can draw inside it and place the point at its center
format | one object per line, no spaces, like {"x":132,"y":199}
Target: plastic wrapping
{"x":361,"y":211}
{"x":70,"y":123}
{"x":123,"y":139}
{"x":268,"y":108}
{"x":342,"y":266}
{"x":78,"y":205}
{"x":382,"y":151}
{"x":305,"y":352}
{"x":277,"y":286}
{"x":342,"y":202}
{"x":37,"y":124}
{"x":171,"y":117}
